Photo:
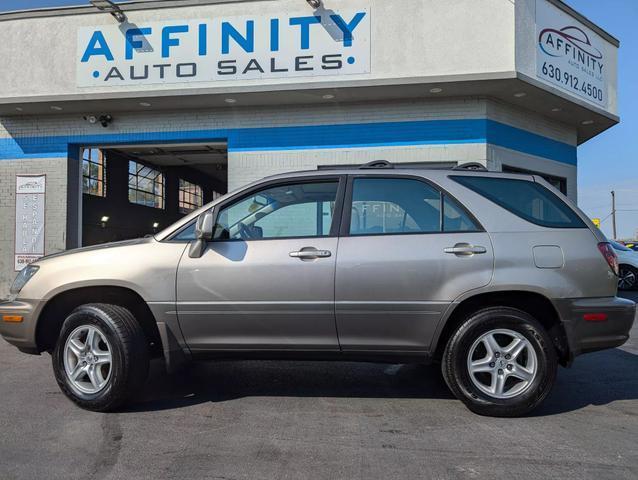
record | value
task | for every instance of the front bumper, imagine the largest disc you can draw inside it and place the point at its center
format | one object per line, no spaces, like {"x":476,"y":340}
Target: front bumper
{"x":589,"y":336}
{"x":21,"y":334}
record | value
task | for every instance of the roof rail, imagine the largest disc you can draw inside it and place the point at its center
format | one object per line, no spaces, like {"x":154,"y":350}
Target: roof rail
{"x":472,"y":166}
{"x":376,"y":164}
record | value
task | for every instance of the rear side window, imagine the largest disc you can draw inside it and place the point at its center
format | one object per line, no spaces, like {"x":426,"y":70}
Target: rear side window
{"x":391,"y":206}
{"x":526,"y":199}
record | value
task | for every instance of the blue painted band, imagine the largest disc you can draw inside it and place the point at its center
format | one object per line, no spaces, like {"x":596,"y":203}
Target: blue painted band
{"x":430,"y":132}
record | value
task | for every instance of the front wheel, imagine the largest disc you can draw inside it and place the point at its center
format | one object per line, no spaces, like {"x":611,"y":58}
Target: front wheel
{"x":101,"y":357}
{"x":500,"y":362}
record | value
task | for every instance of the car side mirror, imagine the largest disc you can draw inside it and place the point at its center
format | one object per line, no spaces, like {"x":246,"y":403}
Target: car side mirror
{"x":203,"y":234}
{"x":204,"y":226}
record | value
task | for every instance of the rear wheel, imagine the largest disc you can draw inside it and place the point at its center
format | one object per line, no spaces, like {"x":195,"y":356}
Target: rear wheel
{"x":500,"y":362}
{"x":627,"y":277}
{"x":101,"y":357}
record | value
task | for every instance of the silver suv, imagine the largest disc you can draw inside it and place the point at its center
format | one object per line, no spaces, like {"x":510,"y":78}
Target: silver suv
{"x":496,"y":276}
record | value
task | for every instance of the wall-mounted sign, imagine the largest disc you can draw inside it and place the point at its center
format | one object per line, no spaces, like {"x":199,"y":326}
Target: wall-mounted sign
{"x":233,"y":48}
{"x":30,"y":203}
{"x":571,"y":56}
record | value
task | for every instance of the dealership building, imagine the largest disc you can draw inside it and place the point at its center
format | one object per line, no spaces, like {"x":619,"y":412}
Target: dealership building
{"x":117,"y":118}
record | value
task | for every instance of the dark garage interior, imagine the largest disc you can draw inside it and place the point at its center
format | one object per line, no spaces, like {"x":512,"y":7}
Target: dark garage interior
{"x":133,"y":191}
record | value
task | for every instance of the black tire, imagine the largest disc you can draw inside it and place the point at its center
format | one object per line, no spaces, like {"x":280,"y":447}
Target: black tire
{"x":632,"y":283}
{"x":129,"y":355}
{"x":456,"y":371}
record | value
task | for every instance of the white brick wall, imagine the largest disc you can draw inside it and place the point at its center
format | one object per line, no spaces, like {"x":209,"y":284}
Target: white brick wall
{"x":247,"y":117}
{"x":254,"y":117}
{"x":55,"y":212}
{"x":531,"y":121}
{"x":246,"y":167}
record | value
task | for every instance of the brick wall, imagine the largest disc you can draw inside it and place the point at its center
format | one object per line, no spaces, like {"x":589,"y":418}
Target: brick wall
{"x":55,"y":212}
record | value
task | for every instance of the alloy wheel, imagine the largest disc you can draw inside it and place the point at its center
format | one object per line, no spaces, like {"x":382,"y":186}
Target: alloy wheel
{"x":87,"y":359}
{"x":502,"y":363}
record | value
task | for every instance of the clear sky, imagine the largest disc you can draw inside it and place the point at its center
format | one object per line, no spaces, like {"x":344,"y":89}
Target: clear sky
{"x":607,"y":162}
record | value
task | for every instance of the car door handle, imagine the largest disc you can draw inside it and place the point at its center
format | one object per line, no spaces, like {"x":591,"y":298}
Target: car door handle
{"x":310,"y":253}
{"x":465,"y":249}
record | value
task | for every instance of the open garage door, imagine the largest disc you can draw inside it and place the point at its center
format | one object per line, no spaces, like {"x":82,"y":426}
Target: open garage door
{"x":131,"y":191}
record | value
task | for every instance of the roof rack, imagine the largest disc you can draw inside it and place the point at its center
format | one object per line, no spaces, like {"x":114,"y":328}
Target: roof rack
{"x":472,"y":166}
{"x":376,"y":164}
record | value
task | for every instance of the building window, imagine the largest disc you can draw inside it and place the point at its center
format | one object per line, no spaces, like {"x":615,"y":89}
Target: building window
{"x":93,"y":172}
{"x":190,"y":196}
{"x":145,"y":185}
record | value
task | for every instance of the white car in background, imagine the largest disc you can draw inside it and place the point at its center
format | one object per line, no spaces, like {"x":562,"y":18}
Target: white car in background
{"x":628,"y":263}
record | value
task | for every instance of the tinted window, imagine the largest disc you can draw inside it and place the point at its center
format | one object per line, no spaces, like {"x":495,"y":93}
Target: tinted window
{"x":528,"y":200}
{"x":287,"y":211}
{"x":455,"y":218}
{"x":401,"y":205}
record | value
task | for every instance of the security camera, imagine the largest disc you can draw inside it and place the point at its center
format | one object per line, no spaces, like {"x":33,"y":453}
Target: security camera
{"x":92,"y":119}
{"x":314,"y":3}
{"x":105,"y":120}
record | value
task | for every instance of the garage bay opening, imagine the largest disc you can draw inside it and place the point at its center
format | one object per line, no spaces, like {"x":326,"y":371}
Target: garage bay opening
{"x":134,"y":190}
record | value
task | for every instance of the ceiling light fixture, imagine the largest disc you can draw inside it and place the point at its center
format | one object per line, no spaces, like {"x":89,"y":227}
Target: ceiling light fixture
{"x":587,"y":122}
{"x":230,"y":100}
{"x":436,"y":90}
{"x":19,"y":109}
{"x":56,"y":108}
{"x":556,"y":109}
{"x":328,"y":96}
{"x":108,"y":6}
{"x":520,"y":94}
{"x":145,"y":104}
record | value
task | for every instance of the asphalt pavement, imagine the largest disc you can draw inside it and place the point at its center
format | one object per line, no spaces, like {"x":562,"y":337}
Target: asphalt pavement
{"x":319,"y":420}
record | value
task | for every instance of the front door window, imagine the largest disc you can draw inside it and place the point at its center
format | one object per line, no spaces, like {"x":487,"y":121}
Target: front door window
{"x":284,"y":211}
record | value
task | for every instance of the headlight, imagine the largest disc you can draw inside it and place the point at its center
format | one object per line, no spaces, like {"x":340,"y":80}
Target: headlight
{"x":23,"y":277}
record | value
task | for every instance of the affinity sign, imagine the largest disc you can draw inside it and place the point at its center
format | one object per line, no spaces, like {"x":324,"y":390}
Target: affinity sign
{"x":233,"y":48}
{"x":30,"y":199}
{"x":570,"y":55}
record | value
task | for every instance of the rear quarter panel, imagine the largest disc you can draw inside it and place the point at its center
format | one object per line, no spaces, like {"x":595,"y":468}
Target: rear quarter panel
{"x":584,"y":273}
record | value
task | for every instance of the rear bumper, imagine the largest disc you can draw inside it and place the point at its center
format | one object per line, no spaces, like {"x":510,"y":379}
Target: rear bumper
{"x":21,"y":334}
{"x":589,"y":336}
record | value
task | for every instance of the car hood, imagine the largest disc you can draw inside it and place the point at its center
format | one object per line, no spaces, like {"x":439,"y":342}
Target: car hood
{"x":102,"y":246}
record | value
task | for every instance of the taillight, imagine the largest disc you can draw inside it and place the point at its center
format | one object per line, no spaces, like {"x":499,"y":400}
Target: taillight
{"x":608,"y":252}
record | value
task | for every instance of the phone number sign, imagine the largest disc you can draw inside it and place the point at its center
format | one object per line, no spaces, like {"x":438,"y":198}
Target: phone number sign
{"x":571,"y":56}
{"x":30,"y":204}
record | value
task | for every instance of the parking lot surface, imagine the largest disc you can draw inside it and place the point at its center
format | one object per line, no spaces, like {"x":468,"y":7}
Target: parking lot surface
{"x":296,"y":420}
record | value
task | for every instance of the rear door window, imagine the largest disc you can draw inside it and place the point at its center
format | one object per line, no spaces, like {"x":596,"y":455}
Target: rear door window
{"x":391,"y":206}
{"x":528,"y":200}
